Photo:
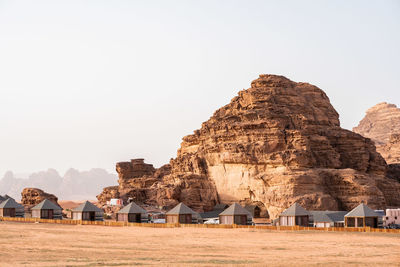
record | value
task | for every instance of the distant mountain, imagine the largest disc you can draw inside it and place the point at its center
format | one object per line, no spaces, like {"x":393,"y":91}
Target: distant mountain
{"x":74,"y":185}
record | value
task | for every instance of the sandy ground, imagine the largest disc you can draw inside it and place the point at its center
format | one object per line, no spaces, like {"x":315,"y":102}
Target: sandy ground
{"x":67,"y":204}
{"x":75,"y":245}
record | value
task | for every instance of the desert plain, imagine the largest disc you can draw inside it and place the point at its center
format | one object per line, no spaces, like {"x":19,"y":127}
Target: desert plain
{"x":40,"y":244}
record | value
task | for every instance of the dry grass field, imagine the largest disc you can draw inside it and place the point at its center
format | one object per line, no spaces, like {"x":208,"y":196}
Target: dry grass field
{"x":76,"y":245}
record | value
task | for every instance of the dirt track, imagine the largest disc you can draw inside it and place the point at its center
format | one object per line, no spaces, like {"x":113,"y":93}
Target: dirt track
{"x":76,"y":245}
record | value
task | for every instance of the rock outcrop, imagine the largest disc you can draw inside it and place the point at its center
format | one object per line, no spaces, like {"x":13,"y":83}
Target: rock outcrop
{"x":142,"y":183}
{"x":32,"y":196}
{"x":382,"y":124}
{"x":275,"y":143}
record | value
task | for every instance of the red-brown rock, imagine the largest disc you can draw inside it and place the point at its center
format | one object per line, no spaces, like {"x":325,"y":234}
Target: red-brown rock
{"x":142,"y":183}
{"x":33,"y":196}
{"x":382,"y":124}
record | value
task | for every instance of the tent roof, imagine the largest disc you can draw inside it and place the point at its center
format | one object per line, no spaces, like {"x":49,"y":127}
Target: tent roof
{"x":2,"y":198}
{"x":220,"y":207}
{"x":46,"y":205}
{"x":181,"y":209}
{"x":10,"y":203}
{"x":362,"y":210}
{"x":328,"y":216}
{"x":295,"y":210}
{"x":235,"y":209}
{"x":87,"y":206}
{"x":132,"y":208}
{"x":210,"y":214}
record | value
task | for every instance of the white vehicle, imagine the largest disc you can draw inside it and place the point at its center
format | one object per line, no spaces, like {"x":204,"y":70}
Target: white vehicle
{"x":159,"y":221}
{"x":212,"y":221}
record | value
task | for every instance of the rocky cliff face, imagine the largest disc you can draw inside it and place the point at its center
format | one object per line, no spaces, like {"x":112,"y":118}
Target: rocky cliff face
{"x":391,"y":150}
{"x":275,"y":143}
{"x":382,"y":124}
{"x":33,"y":196}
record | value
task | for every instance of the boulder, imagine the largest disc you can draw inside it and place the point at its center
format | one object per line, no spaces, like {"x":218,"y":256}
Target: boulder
{"x":33,"y":196}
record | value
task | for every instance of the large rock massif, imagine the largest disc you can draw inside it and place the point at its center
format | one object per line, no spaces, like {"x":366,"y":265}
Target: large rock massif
{"x":275,"y":143}
{"x":382,"y":124}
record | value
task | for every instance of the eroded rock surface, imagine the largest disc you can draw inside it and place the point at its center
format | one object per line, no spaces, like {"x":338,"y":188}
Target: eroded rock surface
{"x":142,"y":183}
{"x":391,"y":150}
{"x":33,"y":196}
{"x":275,"y":143}
{"x":382,"y":124}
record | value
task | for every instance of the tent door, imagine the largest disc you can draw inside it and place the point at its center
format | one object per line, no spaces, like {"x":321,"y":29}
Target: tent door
{"x":134,"y":217}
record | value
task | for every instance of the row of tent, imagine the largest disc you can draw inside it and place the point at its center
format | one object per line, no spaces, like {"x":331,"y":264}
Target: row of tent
{"x":360,"y":216}
{"x":234,"y":214}
{"x":49,"y":210}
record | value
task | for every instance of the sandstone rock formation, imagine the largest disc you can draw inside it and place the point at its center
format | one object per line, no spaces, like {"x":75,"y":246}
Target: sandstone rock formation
{"x":142,"y":183}
{"x":33,"y":196}
{"x":382,"y":124}
{"x":275,"y":143}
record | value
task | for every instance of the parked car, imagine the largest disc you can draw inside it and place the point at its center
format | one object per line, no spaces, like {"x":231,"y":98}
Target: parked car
{"x":212,"y":221}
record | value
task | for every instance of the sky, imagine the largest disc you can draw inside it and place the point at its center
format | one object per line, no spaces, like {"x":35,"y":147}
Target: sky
{"x":86,"y":84}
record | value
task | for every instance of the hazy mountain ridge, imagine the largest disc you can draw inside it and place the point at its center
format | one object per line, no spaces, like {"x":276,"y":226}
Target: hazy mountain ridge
{"x":74,"y":185}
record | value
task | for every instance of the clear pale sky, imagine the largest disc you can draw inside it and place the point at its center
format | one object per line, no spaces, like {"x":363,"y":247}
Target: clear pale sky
{"x":85,"y":84}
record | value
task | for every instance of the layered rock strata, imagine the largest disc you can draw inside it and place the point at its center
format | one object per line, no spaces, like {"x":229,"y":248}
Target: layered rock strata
{"x":275,"y":143}
{"x":391,"y":150}
{"x":382,"y":124}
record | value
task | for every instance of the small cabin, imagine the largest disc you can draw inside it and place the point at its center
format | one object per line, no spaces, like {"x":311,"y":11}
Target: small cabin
{"x":254,"y":210}
{"x":47,"y":210}
{"x":87,"y":212}
{"x":132,"y":213}
{"x":10,"y":208}
{"x":294,"y":215}
{"x":324,"y":219}
{"x":213,"y":214}
{"x":181,"y":214}
{"x":235,"y":214}
{"x":361,"y":216}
